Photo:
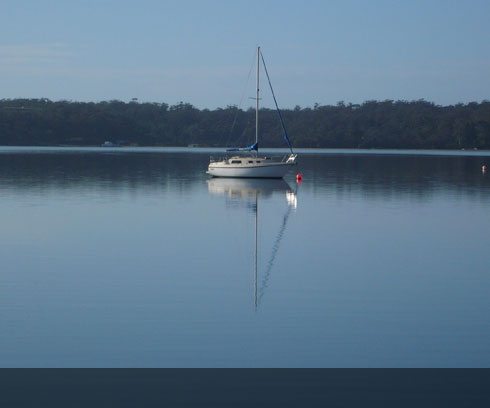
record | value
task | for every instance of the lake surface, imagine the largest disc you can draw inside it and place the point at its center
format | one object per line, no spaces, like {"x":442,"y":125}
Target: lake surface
{"x":136,"y":258}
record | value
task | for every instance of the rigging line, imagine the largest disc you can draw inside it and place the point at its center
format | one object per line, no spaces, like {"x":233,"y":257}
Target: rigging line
{"x":241,"y":102}
{"x":277,"y":107}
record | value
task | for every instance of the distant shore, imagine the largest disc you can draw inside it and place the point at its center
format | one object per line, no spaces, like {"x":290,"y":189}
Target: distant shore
{"x":177,"y":149}
{"x":370,"y":125}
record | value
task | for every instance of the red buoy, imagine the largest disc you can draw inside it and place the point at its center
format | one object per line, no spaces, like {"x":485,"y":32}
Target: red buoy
{"x":299,"y":178}
{"x":483,"y":168}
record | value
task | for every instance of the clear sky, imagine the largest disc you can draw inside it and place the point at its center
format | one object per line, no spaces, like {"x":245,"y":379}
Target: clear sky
{"x":201,"y":51}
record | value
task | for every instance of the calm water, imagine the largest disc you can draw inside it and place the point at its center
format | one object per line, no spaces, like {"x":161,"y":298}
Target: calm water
{"x":135,"y":258}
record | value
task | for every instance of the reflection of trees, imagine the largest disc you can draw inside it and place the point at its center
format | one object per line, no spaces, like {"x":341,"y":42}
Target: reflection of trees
{"x":385,"y":176}
{"x":374,"y":176}
{"x":100,"y":170}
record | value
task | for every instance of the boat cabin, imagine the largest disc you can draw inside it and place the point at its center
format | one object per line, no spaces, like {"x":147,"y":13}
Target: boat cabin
{"x":245,"y":161}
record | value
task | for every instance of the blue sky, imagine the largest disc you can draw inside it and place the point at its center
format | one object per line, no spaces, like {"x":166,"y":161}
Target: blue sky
{"x":201,"y":51}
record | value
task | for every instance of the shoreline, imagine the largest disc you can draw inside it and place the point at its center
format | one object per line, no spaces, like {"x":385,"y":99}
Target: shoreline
{"x":181,"y":149}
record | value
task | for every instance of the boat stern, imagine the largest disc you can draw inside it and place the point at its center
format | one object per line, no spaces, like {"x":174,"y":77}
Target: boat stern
{"x":292,"y":159}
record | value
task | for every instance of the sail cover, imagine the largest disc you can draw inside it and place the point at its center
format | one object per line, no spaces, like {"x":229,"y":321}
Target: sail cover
{"x":255,"y":146}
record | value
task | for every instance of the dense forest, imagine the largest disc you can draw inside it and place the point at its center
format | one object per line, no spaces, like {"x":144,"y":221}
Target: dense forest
{"x":384,"y":124}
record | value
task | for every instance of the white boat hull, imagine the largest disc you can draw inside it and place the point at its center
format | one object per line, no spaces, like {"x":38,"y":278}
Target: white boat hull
{"x":272,"y":170}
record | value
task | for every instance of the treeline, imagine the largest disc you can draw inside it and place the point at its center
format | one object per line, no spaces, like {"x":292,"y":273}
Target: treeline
{"x":387,"y":124}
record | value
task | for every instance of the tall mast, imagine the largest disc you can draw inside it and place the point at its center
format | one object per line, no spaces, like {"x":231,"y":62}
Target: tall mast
{"x":257,"y":101}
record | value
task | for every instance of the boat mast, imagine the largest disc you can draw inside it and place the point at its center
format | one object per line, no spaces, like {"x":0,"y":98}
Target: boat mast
{"x":257,"y":102}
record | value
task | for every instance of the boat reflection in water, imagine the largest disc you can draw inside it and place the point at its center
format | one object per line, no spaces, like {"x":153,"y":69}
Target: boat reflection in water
{"x":249,"y":192}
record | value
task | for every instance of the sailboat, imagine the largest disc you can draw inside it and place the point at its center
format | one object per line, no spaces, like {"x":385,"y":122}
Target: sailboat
{"x":253,"y":165}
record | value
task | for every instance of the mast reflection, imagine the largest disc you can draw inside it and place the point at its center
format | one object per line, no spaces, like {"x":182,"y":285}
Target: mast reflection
{"x":247,"y":192}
